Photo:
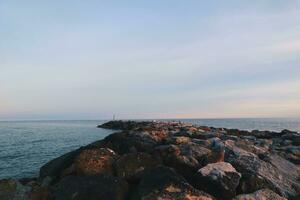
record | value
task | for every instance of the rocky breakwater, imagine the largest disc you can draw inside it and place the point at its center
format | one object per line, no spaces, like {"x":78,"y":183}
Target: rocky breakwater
{"x":170,"y":160}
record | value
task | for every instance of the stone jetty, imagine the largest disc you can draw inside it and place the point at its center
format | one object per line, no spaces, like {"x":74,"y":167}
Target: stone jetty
{"x":154,"y":160}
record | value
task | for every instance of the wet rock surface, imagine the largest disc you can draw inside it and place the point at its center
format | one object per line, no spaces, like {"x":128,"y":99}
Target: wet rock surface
{"x":154,"y":160}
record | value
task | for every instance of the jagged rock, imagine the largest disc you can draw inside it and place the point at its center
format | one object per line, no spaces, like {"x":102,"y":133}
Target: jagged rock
{"x":251,"y":146}
{"x":131,"y":166}
{"x":86,"y":173}
{"x":283,"y":165}
{"x":293,"y":136}
{"x":98,"y":187}
{"x":130,"y":142}
{"x":257,"y":174}
{"x":178,"y":140}
{"x":55,"y":167}
{"x":264,"y":194}
{"x":229,"y":137}
{"x":220,"y":179}
{"x":13,"y":190}
{"x":95,"y":161}
{"x":185,"y":158}
{"x":203,"y":143}
{"x":165,"y":183}
{"x":291,"y":153}
{"x":285,"y":131}
{"x":265,"y":134}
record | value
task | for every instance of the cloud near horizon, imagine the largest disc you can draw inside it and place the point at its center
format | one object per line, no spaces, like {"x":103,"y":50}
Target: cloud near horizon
{"x":90,"y":60}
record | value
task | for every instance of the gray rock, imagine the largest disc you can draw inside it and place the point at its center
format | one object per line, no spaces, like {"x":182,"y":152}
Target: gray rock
{"x":284,"y":166}
{"x":258,"y":174}
{"x":220,"y":179}
{"x":185,"y":158}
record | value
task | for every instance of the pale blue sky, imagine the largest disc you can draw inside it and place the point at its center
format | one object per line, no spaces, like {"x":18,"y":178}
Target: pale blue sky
{"x":149,"y":59}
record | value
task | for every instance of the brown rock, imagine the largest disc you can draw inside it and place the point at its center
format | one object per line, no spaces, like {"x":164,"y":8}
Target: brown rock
{"x":131,"y":166}
{"x":131,"y":142}
{"x":163,"y":183}
{"x":55,"y":167}
{"x":264,"y":194}
{"x":94,"y":161}
{"x":185,"y":158}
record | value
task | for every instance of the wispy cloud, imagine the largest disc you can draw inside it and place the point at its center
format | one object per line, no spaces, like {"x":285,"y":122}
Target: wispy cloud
{"x":144,"y":60}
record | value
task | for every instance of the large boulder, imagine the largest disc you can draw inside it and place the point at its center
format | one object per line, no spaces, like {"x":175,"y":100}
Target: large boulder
{"x":220,"y":179}
{"x":96,"y":187}
{"x":185,"y":158}
{"x":55,"y":167}
{"x":165,"y":183}
{"x":258,"y":174}
{"x":131,"y":166}
{"x":264,"y":194}
{"x":131,"y":142}
{"x":284,"y":166}
{"x":292,"y":153}
{"x":255,"y":147}
{"x":13,"y":190}
{"x":95,"y":161}
{"x":289,"y":135}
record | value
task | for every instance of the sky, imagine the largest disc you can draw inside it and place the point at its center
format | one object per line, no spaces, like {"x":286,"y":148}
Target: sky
{"x":71,"y":59}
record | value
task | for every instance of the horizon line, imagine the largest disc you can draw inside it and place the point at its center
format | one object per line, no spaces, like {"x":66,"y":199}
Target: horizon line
{"x":133,"y":119}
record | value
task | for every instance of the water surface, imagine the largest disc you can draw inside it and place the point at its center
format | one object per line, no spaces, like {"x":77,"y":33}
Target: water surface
{"x":26,"y":146}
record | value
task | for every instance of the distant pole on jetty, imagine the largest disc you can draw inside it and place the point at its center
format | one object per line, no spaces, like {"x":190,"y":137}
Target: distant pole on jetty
{"x":114,"y":117}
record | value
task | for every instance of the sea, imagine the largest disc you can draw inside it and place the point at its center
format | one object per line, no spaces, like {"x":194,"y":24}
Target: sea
{"x":25,"y":146}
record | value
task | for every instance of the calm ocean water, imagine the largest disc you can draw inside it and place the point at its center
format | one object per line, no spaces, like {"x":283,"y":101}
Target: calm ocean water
{"x":26,"y":146}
